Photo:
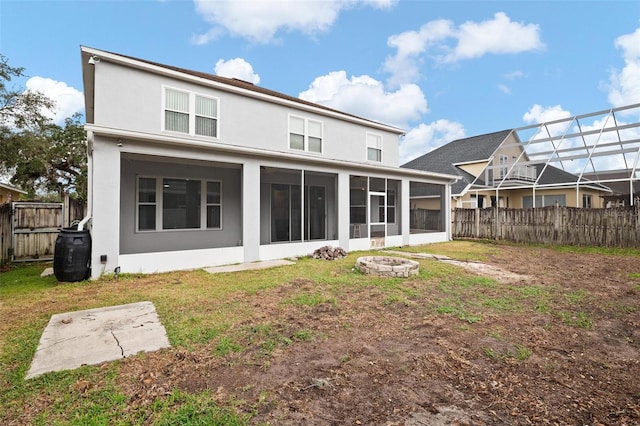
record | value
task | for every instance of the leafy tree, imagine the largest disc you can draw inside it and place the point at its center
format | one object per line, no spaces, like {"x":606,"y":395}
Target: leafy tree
{"x":20,"y":109}
{"x":52,"y":159}
{"x":39,"y":155}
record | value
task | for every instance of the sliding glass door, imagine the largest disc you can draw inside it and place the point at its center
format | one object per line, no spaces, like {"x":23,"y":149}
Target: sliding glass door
{"x":315,"y":227}
{"x":285,"y":213}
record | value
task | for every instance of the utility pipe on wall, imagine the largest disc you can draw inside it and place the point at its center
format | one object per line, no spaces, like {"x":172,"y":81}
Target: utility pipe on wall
{"x":86,"y":219}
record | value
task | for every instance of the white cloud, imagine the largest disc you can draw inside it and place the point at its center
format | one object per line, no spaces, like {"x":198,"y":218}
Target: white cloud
{"x":513,"y":75}
{"x":366,"y":97}
{"x":499,"y":36}
{"x":504,"y":89}
{"x":540,"y":114}
{"x":445,"y":43}
{"x":427,"y":137}
{"x":410,"y":45}
{"x":68,"y":100}
{"x":237,"y":68}
{"x":260,"y":21}
{"x":624,"y":87}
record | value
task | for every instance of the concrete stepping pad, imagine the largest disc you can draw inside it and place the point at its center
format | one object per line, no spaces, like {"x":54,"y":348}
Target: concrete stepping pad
{"x":93,"y":336}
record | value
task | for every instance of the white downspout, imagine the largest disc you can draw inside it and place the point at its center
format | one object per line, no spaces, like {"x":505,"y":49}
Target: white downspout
{"x":86,"y":219}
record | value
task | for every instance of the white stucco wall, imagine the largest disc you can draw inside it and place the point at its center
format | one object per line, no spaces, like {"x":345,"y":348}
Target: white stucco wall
{"x":131,"y":99}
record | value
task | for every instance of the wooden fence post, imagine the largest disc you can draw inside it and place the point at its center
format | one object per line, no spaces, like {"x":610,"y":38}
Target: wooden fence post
{"x":476,"y":224}
{"x":556,"y":221}
{"x":496,"y":236}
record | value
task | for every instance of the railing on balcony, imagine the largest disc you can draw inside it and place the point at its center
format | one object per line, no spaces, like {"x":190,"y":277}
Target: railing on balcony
{"x":520,"y":172}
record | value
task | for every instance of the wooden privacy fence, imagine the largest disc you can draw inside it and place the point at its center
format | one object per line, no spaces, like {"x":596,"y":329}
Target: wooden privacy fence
{"x":5,"y":231}
{"x":426,"y":219}
{"x":28,"y":230}
{"x":611,"y":227}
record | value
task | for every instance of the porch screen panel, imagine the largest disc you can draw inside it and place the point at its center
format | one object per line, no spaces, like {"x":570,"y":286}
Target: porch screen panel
{"x":358,"y":200}
{"x":286,"y":211}
{"x":280,"y":200}
{"x":176,"y":116}
{"x":391,"y":206}
{"x":296,"y":213}
{"x":206,"y":116}
{"x":315,"y":213}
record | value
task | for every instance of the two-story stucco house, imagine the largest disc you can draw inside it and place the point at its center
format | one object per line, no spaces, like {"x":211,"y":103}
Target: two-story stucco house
{"x":495,"y":169}
{"x":188,"y":169}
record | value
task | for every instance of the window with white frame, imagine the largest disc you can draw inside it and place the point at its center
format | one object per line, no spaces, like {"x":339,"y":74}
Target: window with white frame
{"x":504,"y":160}
{"x":175,"y":203}
{"x":190,"y":113}
{"x":305,"y":134}
{"x":214,"y":205}
{"x":146,"y":204}
{"x":374,"y":147}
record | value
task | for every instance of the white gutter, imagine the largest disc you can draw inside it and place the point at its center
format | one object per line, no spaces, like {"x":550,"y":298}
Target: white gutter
{"x":86,"y":219}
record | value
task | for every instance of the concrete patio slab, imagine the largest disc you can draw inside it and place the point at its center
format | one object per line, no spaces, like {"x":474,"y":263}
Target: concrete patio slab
{"x":248,"y":266}
{"x":93,"y":336}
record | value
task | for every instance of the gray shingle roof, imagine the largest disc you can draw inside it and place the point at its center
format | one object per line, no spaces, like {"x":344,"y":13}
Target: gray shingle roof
{"x":442,"y":159}
{"x":553,"y":175}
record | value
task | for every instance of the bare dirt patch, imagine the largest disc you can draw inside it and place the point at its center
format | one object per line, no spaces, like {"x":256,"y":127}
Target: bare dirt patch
{"x":558,"y":342}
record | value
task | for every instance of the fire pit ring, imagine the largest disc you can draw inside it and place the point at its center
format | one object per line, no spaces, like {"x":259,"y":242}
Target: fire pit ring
{"x":387,"y":266}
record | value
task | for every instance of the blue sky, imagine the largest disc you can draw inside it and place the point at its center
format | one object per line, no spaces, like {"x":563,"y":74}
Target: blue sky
{"x":441,"y":70}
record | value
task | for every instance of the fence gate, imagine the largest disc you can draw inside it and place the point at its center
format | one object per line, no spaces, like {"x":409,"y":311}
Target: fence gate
{"x":34,"y":229}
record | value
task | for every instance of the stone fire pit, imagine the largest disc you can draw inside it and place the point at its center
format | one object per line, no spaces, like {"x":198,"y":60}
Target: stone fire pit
{"x":386,"y":266}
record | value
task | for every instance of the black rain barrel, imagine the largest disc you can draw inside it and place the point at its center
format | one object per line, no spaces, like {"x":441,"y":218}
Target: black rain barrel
{"x":72,"y":255}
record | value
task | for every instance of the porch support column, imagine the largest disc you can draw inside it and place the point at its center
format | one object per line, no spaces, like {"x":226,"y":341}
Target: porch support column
{"x":446,"y":206}
{"x":105,"y":193}
{"x":344,"y":217}
{"x":405,"y":211}
{"x":251,"y":210}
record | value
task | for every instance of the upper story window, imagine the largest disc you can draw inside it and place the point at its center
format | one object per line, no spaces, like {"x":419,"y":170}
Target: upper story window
{"x":190,"y":113}
{"x":374,"y":147}
{"x":305,"y":134}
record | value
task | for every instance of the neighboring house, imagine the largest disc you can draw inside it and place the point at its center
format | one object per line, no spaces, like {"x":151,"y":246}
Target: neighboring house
{"x":188,"y":169}
{"x":622,"y":184}
{"x":10,"y":193}
{"x":493,"y":168}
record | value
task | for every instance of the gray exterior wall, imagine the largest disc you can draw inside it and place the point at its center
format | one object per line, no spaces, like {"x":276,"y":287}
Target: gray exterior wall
{"x":171,"y":240}
{"x":127,"y":98}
